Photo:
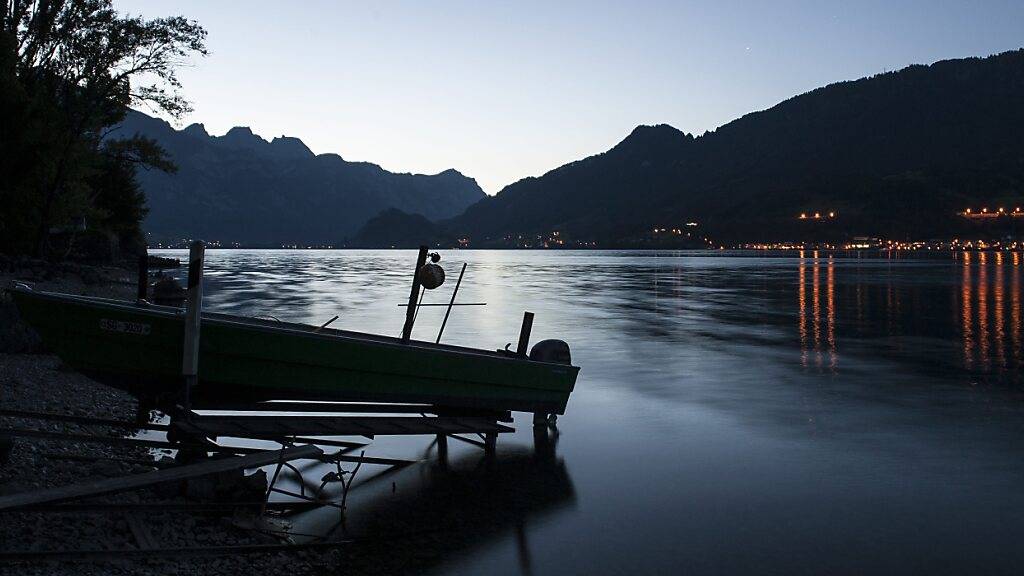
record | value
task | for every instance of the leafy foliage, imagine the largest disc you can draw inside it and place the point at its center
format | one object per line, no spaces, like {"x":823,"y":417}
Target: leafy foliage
{"x":69,"y":69}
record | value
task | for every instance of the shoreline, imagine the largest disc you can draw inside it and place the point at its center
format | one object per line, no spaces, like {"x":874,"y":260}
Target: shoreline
{"x":33,"y":380}
{"x":724,"y":251}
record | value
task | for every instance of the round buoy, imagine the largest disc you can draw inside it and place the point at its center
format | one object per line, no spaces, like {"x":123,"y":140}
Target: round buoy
{"x":431,"y":276}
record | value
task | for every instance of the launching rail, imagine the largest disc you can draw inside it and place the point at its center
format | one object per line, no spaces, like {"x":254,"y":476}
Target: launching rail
{"x":135,"y":481}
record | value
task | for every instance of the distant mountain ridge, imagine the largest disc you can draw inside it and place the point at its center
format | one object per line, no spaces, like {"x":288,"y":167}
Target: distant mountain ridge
{"x":895,"y":155}
{"x":239,"y":187}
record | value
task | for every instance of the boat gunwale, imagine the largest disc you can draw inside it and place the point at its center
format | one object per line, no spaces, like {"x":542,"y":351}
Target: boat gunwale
{"x":292,"y":328}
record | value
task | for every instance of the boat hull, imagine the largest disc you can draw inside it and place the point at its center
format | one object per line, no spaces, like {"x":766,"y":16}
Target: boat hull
{"x":140,"y":348}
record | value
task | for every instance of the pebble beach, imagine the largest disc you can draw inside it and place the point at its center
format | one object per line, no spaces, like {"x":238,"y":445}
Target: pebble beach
{"x":33,"y":380}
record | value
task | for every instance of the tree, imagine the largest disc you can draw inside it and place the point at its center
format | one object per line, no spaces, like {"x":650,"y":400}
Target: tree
{"x":69,"y":70}
{"x":117,"y":201}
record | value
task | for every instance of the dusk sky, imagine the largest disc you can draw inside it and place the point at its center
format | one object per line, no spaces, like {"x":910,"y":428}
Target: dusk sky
{"x":501,"y":91}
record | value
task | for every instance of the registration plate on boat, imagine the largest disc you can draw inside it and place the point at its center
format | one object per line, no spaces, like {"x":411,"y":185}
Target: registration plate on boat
{"x":137,"y":328}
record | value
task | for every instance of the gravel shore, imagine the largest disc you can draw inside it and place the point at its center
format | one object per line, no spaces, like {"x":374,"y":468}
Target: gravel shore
{"x":32,"y":380}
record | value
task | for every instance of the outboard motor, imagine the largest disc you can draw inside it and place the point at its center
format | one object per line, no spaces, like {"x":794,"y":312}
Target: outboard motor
{"x":553,"y":351}
{"x":166,"y":291}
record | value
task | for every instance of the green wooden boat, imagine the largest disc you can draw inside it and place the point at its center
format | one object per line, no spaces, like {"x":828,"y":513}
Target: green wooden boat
{"x":139,"y":347}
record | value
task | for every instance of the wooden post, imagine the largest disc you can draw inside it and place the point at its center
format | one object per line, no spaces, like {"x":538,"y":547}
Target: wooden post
{"x":410,"y":311}
{"x":6,"y":446}
{"x":524,"y":334}
{"x":193,"y":313}
{"x":544,"y":442}
{"x":490,"y":443}
{"x":442,"y":448}
{"x":143,"y":279}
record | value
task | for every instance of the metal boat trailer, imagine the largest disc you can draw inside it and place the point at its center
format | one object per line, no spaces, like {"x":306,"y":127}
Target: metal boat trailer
{"x":207,"y":445}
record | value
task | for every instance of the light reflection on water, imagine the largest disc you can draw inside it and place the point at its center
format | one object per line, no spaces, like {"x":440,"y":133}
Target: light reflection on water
{"x":812,"y":414}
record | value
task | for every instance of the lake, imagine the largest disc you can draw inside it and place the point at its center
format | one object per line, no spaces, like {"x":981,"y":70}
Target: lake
{"x":735,"y":412}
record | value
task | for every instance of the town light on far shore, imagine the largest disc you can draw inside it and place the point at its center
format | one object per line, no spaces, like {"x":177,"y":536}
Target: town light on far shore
{"x":817,"y":215}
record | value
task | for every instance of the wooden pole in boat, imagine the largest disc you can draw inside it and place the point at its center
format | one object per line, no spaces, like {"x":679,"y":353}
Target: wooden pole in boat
{"x":143,"y":278}
{"x":524,"y":334}
{"x":410,"y":312}
{"x":450,"y":304}
{"x":190,"y":356}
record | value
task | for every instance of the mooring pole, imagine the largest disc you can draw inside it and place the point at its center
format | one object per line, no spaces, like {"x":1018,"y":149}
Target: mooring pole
{"x":193,"y":313}
{"x":143,"y":275}
{"x":410,"y":312}
{"x":524,"y":334}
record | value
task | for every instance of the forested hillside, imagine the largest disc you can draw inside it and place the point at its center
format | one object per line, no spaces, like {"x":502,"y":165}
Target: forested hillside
{"x":898,"y":155}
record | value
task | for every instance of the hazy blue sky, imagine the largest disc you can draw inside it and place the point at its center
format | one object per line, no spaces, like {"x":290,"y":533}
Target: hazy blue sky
{"x":504,"y":90}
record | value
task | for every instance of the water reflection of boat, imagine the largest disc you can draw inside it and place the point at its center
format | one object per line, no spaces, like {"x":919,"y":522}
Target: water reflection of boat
{"x":430,"y":513}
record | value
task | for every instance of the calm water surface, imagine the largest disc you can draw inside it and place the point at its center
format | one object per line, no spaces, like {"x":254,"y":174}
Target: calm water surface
{"x":742,"y":414}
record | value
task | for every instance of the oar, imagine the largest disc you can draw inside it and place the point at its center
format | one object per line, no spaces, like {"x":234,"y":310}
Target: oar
{"x":326,"y":324}
{"x":443,"y":304}
{"x":450,"y":303}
